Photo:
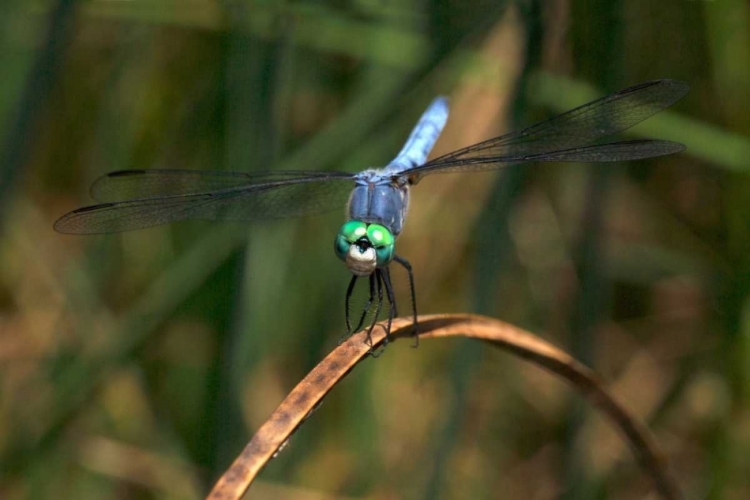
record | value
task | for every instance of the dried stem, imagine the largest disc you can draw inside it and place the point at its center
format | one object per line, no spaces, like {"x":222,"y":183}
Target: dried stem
{"x":304,"y":398}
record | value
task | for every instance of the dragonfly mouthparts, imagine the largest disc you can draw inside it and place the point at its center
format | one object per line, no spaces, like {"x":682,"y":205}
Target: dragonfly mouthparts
{"x":361,"y":258}
{"x":363,"y":244}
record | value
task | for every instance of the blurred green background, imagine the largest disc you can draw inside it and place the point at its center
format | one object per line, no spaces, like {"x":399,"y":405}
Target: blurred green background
{"x":138,"y":365}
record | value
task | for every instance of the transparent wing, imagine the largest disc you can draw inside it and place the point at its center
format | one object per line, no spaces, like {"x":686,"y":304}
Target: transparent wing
{"x":131,"y":184}
{"x":637,"y":149}
{"x":269,"y":198}
{"x":573,"y":130}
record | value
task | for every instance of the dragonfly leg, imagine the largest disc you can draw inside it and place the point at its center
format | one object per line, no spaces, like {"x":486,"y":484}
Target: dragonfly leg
{"x":349,"y":292}
{"x":368,"y":303}
{"x":391,"y":301}
{"x":379,"y":281}
{"x":407,"y":266}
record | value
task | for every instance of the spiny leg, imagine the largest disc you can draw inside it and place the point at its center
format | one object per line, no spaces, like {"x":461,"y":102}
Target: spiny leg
{"x":391,"y":301}
{"x":378,"y":308}
{"x":407,"y":266}
{"x":368,"y":303}
{"x":349,"y":292}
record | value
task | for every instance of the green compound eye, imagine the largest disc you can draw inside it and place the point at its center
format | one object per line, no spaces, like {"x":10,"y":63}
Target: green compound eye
{"x":349,"y":233}
{"x":383,"y":242}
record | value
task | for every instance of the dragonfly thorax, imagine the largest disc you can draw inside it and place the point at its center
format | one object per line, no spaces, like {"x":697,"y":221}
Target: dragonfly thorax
{"x":381,"y":198}
{"x":364,"y":247}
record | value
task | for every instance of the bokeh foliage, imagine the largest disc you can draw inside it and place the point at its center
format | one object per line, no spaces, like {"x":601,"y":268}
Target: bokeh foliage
{"x":138,"y":365}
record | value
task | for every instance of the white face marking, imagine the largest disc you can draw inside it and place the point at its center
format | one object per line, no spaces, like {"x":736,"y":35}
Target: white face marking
{"x":361,"y":263}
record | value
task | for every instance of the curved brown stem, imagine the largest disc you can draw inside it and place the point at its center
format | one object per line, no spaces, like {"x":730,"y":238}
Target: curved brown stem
{"x":305,"y":397}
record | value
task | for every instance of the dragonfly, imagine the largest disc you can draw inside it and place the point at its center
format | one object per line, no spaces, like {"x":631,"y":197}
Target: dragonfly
{"x":377,"y":199}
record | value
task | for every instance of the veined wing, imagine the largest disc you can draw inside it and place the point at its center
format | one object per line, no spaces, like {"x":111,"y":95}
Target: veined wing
{"x":152,"y":183}
{"x":274,"y":195}
{"x":636,"y":149}
{"x":573,"y":132}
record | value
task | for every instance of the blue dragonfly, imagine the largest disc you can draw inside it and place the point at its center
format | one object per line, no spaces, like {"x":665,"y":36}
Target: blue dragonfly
{"x":378,"y":199}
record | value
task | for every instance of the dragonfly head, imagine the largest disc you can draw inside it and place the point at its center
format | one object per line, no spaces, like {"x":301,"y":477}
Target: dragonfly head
{"x":364,"y":247}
